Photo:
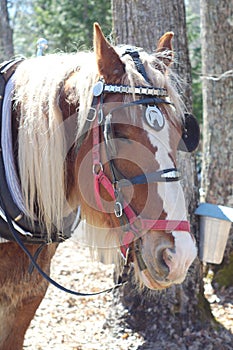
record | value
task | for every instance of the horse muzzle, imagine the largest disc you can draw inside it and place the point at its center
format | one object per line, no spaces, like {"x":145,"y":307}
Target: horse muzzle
{"x":164,"y":261}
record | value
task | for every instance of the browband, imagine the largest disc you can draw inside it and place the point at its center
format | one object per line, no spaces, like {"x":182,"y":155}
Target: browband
{"x":137,"y":90}
{"x":100,"y":87}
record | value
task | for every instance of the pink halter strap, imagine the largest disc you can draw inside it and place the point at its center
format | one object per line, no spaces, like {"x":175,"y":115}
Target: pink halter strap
{"x":136,"y":224}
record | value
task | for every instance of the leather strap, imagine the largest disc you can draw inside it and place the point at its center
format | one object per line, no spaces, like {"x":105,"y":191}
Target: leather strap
{"x":133,"y":224}
{"x":137,"y":61}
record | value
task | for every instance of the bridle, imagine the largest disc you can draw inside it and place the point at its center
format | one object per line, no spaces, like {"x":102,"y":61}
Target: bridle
{"x":131,"y":223}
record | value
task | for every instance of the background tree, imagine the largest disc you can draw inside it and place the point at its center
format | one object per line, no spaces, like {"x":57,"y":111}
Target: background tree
{"x":67,"y":25}
{"x":6,"y":38}
{"x":194,"y":43}
{"x":217,"y":76}
{"x":181,"y":309}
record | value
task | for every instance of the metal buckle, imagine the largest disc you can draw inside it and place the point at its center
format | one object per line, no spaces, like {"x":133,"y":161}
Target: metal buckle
{"x":91,"y":114}
{"x":118,"y":209}
{"x":97,"y":168}
{"x":100,"y":116}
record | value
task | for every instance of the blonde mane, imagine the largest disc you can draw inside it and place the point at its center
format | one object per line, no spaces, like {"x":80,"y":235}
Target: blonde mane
{"x":41,"y":138}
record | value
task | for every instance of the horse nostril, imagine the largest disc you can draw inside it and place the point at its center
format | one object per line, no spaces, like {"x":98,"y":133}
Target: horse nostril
{"x":168,"y":257}
{"x":163,"y":267}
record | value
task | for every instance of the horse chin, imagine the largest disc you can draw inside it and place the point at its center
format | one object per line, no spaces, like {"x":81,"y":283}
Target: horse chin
{"x":149,"y":276}
{"x":151,"y":283}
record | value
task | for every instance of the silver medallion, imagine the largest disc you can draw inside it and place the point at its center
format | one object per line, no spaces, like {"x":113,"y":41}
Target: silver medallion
{"x":98,"y":88}
{"x":154,"y":117}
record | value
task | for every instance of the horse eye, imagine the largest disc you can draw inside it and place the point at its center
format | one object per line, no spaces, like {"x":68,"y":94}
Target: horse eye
{"x":122,"y":137}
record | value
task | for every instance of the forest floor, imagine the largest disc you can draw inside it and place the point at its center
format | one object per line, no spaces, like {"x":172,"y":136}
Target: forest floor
{"x":66,"y":322}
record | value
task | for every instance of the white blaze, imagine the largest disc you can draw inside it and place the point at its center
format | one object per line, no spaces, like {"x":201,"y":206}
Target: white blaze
{"x":172,"y":196}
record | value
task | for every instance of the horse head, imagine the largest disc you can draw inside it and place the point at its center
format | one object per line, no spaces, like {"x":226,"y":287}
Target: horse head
{"x":136,"y":130}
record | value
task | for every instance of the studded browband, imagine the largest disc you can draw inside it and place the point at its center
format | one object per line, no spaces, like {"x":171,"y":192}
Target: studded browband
{"x":100,"y":87}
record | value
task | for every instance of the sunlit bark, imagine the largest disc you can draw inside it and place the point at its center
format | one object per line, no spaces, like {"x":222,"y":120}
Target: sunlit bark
{"x":6,"y":40}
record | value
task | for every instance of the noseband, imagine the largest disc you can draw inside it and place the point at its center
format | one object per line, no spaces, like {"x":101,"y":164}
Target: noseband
{"x":131,"y":223}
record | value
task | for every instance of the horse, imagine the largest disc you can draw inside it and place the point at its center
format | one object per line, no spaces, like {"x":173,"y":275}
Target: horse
{"x":91,"y":137}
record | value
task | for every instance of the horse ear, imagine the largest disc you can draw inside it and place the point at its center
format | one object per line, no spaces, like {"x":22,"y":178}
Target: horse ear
{"x":165,"y":48}
{"x":109,"y":63}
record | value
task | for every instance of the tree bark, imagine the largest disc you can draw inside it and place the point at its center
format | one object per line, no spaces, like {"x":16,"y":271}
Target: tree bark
{"x":141,"y":23}
{"x":6,"y":33}
{"x":217,"y":77}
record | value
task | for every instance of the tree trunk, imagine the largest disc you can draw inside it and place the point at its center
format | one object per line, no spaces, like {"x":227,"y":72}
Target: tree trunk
{"x":217,"y":76}
{"x":141,"y":23}
{"x":6,"y":33}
